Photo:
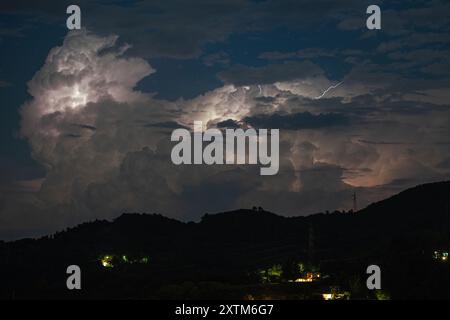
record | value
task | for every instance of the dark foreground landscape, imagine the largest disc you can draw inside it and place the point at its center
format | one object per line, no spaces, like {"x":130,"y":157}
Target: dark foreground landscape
{"x":245,"y":254}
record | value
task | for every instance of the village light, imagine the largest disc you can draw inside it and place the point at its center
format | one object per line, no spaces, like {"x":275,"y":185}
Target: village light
{"x":116,"y":260}
{"x":441,"y":255}
{"x":107,"y":261}
{"x":310,"y":277}
{"x":327,"y":296}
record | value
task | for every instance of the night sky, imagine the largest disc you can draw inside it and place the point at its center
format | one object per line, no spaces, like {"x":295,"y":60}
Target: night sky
{"x":86,"y":116}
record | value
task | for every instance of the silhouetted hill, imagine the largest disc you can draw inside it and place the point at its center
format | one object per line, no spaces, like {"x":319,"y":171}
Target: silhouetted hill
{"x":424,"y":203}
{"x":152,"y":251}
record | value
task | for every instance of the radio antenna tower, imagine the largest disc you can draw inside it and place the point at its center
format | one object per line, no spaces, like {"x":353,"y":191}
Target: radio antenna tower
{"x":355,"y":206}
{"x":311,"y":255}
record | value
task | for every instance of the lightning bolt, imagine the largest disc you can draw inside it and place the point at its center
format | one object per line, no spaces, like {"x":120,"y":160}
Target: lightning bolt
{"x":325,"y":92}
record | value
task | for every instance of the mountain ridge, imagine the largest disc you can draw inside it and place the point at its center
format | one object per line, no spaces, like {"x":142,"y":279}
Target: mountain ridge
{"x":444,"y":186}
{"x":230,"y":247}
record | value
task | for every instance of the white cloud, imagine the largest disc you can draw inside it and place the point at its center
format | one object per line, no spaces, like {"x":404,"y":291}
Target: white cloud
{"x":105,"y":154}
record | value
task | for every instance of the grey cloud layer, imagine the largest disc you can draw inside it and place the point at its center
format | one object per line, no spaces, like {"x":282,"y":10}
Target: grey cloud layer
{"x":105,"y":145}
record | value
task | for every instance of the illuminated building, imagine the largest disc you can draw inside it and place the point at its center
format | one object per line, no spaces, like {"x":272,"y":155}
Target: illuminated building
{"x":440,"y":255}
{"x":107,"y":261}
{"x":327,"y":296}
{"x":335,"y":294}
{"x":310,"y":277}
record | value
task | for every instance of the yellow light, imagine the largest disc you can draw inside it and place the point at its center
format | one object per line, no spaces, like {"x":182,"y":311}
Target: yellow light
{"x":327,"y":296}
{"x":106,"y":261}
{"x":310,"y":277}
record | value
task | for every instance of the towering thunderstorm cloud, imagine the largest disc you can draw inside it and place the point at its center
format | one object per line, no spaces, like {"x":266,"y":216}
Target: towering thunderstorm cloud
{"x":106,"y":145}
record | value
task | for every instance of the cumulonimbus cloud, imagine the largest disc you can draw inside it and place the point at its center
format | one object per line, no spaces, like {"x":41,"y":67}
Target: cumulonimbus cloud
{"x":106,"y":146}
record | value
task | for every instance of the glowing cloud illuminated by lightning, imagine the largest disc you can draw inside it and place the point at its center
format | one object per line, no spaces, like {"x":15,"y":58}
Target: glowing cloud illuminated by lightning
{"x":86,"y":68}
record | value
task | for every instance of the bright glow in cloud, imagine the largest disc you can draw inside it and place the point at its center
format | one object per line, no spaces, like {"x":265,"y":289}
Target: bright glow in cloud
{"x":106,"y":145}
{"x":83,"y":70}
